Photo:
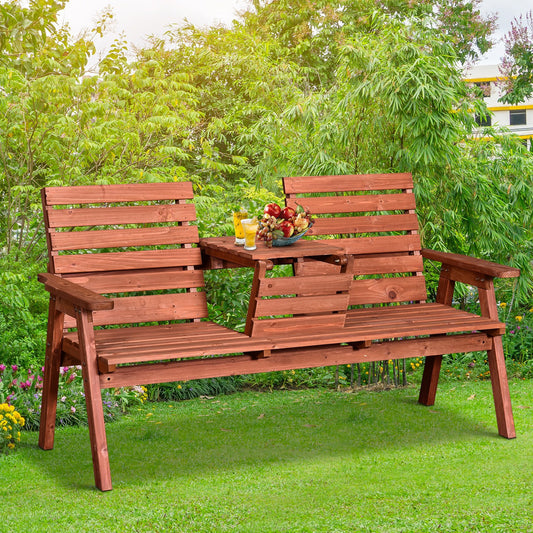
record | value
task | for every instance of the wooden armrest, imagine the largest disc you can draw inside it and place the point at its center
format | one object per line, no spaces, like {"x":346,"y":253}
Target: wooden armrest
{"x":472,"y":264}
{"x":74,"y":294}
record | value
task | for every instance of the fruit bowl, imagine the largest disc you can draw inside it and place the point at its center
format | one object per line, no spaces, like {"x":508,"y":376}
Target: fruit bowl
{"x":287,"y":241}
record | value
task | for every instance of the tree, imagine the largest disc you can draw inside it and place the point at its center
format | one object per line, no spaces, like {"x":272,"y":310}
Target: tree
{"x":517,"y":64}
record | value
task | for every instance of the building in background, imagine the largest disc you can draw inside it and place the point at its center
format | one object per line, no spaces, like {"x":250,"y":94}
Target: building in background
{"x":518,"y":118}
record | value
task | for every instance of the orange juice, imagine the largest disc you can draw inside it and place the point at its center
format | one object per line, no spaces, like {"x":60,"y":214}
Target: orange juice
{"x":239,"y":231}
{"x":250,"y":227}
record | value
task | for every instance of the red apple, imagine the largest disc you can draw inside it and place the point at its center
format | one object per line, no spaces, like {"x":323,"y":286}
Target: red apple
{"x":287,"y":227}
{"x":287,"y":213}
{"x":273,"y":210}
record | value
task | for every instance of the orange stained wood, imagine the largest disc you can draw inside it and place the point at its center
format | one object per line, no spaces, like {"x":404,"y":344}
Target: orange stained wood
{"x":126,"y":277}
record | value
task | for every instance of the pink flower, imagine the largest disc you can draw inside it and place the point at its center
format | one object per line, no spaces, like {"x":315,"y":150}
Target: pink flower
{"x":73,"y":409}
{"x":2,"y":368}
{"x":14,"y":368}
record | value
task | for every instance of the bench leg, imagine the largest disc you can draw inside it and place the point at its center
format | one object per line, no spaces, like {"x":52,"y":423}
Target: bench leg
{"x":498,"y":372}
{"x":432,"y":364}
{"x":51,"y":378}
{"x":430,"y":380}
{"x":93,"y":399}
{"x":500,"y":390}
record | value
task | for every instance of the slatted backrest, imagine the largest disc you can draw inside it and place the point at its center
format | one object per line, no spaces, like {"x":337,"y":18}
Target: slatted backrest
{"x":286,"y":305}
{"x":373,"y":216}
{"x":132,"y":242}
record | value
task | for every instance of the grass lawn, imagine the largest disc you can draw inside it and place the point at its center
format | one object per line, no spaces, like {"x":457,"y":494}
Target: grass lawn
{"x":295,"y":461}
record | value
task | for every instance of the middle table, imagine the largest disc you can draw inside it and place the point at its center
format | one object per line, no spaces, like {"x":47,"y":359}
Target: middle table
{"x":287,"y":305}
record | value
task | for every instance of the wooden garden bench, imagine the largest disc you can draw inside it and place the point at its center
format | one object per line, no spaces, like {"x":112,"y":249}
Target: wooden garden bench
{"x":373,"y":217}
{"x":128,"y":302}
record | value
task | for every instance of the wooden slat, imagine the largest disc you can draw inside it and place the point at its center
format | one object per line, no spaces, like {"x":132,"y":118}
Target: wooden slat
{"x":301,"y":304}
{"x":364,"y":224}
{"x":364,"y":182}
{"x":381,"y":244}
{"x":140,"y":338}
{"x":153,"y":308}
{"x":419,"y":328}
{"x":130,"y":192}
{"x":428,"y":346}
{"x":286,"y":327}
{"x":355,"y":204}
{"x":139,"y":280}
{"x":387,"y":264}
{"x":127,"y":260}
{"x":316,"y":268}
{"x":132,"y":214}
{"x":80,"y":240}
{"x":407,"y":314}
{"x":388,"y":290}
{"x":301,"y":284}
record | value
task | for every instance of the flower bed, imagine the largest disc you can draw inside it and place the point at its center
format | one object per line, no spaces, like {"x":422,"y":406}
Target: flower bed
{"x":10,"y":425}
{"x":22,"y":389}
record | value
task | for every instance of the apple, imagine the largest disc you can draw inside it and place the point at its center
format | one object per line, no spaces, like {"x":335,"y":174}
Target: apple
{"x":287,"y":227}
{"x":287,"y":213}
{"x":272,"y":210}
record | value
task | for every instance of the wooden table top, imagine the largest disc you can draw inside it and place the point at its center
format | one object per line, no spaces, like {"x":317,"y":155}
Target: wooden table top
{"x":224,"y":248}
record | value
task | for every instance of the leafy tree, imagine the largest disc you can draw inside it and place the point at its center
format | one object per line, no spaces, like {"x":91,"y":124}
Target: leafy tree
{"x":517,"y":64}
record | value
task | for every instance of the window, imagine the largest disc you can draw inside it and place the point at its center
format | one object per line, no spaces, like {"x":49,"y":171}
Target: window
{"x":483,"y":120}
{"x":517,"y":117}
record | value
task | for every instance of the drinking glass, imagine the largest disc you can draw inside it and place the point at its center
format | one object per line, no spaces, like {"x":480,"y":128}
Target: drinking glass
{"x":239,"y":231}
{"x":250,"y":226}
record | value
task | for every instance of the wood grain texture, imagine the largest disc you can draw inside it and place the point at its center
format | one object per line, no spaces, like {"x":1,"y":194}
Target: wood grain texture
{"x":130,"y":192}
{"x":131,"y":214}
{"x":363,"y":182}
{"x":106,"y":261}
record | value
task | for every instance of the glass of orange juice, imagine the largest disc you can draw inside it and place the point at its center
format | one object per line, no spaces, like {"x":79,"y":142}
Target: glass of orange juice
{"x":239,"y":231}
{"x":250,"y":227}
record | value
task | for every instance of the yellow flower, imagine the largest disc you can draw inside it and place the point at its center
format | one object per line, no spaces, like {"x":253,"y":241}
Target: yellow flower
{"x":518,"y":318}
{"x":503,"y":304}
{"x":10,"y":445}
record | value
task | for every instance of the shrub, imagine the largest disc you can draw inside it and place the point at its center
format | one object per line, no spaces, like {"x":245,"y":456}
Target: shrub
{"x":518,"y":339}
{"x":23,"y":314}
{"x":185,"y":390}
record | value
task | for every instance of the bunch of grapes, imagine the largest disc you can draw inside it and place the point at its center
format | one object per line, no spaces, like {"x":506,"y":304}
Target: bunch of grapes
{"x":277,"y":223}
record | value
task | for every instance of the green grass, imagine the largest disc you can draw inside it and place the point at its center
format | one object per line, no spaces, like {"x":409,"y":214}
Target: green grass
{"x":295,"y":461}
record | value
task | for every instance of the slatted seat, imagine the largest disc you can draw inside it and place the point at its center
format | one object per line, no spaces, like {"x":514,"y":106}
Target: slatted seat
{"x":373,"y":218}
